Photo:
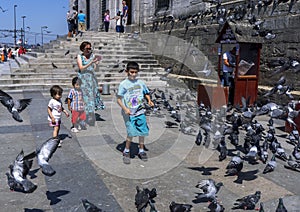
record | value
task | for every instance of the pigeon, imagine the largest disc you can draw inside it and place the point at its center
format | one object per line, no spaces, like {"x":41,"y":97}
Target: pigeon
{"x":142,"y":198}
{"x":296,"y":152}
{"x":44,"y":153}
{"x":291,"y":164}
{"x":280,"y":206}
{"x":264,"y":152}
{"x":222,"y":149}
{"x":179,"y":207}
{"x":170,"y":124}
{"x":199,"y":138}
{"x":280,"y":153}
{"x":53,"y":65}
{"x":14,"y":106}
{"x":209,"y":187}
{"x":261,"y":207}
{"x":252,"y":154}
{"x":90,"y":207}
{"x":235,"y":165}
{"x":13,"y":184}
{"x":248,"y":202}
{"x":271,"y":165}
{"x":20,"y":169}
{"x":214,"y":206}
{"x":67,"y":52}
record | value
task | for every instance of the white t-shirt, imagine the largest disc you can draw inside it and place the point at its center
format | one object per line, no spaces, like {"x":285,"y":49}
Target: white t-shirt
{"x":230,"y":58}
{"x":56,"y":107}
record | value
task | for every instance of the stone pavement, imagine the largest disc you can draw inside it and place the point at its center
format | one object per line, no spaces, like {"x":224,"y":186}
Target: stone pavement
{"x":89,"y":165}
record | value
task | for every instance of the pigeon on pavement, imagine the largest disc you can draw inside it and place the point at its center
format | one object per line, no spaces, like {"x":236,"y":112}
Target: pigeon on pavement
{"x":179,"y":207}
{"x":214,"y":206}
{"x":20,"y":169}
{"x":235,"y":165}
{"x":280,"y":206}
{"x":247,"y":202}
{"x":14,"y":106}
{"x":271,"y":165}
{"x":209,"y":187}
{"x":90,"y":207}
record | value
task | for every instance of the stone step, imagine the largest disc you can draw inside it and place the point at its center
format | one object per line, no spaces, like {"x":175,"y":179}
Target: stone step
{"x":21,"y":62}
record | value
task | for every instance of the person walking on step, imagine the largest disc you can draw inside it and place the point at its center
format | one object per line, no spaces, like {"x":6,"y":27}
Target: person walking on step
{"x":81,"y":22}
{"x":55,"y":109}
{"x":124,"y":15}
{"x":76,"y":106}
{"x":130,"y":96}
{"x":87,"y":63}
{"x":106,"y":20}
{"x":119,"y":26}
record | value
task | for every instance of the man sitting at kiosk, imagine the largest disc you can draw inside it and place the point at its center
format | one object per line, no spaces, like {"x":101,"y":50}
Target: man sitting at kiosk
{"x":228,"y":72}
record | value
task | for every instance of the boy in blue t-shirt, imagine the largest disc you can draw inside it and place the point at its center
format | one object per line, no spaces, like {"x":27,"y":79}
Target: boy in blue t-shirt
{"x":130,"y":97}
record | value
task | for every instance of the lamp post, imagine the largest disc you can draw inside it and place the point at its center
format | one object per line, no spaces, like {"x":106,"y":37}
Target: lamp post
{"x":23,"y":17}
{"x":43,"y":27}
{"x":15,"y":29}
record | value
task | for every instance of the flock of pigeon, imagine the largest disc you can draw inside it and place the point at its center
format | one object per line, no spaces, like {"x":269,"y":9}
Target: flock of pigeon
{"x":220,"y":13}
{"x":212,"y":128}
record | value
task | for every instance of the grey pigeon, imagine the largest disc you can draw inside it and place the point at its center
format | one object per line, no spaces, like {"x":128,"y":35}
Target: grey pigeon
{"x":280,"y":206}
{"x":143,"y":197}
{"x":20,"y":169}
{"x":209,"y":187}
{"x":13,"y":184}
{"x":280,"y":153}
{"x":248,"y":202}
{"x":199,"y":138}
{"x":264,"y":152}
{"x":90,"y":207}
{"x":44,"y":153}
{"x":179,"y":207}
{"x":170,"y":124}
{"x":291,"y":164}
{"x":14,"y":106}
{"x":271,"y":165}
{"x":235,"y":165}
{"x":261,"y":207}
{"x":296,"y":152}
{"x":214,"y":206}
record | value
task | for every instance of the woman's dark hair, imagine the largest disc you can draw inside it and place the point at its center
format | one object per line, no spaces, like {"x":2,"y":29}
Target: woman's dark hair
{"x":132,"y":65}
{"x":76,"y":80}
{"x":56,"y":89}
{"x":84,"y":44}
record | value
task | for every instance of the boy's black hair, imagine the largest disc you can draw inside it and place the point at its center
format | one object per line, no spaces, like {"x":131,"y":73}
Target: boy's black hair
{"x":76,"y":80}
{"x":56,"y":89}
{"x":132,"y":65}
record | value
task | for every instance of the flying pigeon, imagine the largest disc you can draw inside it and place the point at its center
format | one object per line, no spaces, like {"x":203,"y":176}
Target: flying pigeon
{"x":13,"y":184}
{"x":14,"y":106}
{"x":53,"y":65}
{"x":209,"y":187}
{"x":90,"y":207}
{"x":271,"y":165}
{"x":280,"y":206}
{"x":247,"y":202}
{"x":67,"y":52}
{"x":44,"y":153}
{"x":235,"y":165}
{"x":20,"y":169}
{"x":179,"y":207}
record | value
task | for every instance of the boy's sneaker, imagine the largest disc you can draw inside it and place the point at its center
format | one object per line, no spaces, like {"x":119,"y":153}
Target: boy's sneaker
{"x":75,"y":130}
{"x":143,"y":156}
{"x":126,"y":157}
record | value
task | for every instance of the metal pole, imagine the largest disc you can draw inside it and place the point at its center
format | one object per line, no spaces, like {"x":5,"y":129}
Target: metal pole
{"x":15,"y":29}
{"x":23,"y":17}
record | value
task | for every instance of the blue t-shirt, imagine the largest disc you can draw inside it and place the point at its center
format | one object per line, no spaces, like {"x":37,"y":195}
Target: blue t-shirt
{"x":124,"y":10}
{"x":81,"y":17}
{"x":133,"y":92}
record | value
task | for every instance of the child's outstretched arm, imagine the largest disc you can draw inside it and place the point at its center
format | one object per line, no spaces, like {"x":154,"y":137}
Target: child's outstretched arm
{"x":150,"y":103}
{"x":124,"y":108}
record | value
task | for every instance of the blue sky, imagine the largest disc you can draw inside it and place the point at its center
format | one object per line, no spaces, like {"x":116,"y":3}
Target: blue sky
{"x":50,"y":13}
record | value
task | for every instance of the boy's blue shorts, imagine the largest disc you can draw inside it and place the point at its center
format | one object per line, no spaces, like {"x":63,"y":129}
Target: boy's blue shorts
{"x":136,"y":125}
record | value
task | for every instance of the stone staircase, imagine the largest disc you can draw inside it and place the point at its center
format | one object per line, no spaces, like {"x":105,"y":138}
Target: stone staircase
{"x":35,"y":70}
